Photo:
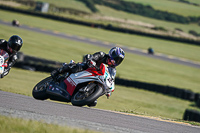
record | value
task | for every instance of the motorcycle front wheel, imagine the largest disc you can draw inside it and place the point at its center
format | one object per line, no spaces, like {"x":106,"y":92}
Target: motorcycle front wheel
{"x":39,"y":91}
{"x":81,"y":99}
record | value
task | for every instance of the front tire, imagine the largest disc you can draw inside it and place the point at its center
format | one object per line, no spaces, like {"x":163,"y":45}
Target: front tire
{"x":39,"y":91}
{"x":80,"y":99}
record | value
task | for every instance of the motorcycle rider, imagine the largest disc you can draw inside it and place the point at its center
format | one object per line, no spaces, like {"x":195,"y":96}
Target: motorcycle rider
{"x":12,"y":46}
{"x":112,"y":59}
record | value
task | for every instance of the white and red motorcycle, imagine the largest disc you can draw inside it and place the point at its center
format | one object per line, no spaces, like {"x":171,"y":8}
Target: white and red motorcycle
{"x":3,"y":61}
{"x":81,"y":88}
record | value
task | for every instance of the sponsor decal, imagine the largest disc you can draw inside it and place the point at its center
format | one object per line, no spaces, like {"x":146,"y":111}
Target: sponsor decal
{"x":71,"y":81}
{"x":50,"y":87}
{"x":1,"y":60}
{"x":1,"y":70}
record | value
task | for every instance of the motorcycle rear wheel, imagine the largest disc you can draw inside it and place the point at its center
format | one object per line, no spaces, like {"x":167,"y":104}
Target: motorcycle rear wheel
{"x":39,"y":91}
{"x":94,"y":94}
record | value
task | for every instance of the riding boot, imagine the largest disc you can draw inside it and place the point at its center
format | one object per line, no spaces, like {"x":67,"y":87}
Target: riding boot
{"x":92,"y":104}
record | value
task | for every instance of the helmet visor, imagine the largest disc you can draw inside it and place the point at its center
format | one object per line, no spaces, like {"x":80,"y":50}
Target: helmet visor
{"x":111,"y":62}
{"x":116,"y":58}
{"x":15,"y":47}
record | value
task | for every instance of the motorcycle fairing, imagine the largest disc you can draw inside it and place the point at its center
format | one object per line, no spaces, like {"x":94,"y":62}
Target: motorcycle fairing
{"x":90,"y":74}
{"x":1,"y":64}
{"x":95,"y":72}
{"x":58,"y":90}
{"x":3,"y":60}
{"x":71,"y":85}
{"x":5,"y":55}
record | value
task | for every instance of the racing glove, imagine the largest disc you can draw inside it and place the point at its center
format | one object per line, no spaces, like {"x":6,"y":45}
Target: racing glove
{"x":12,"y":60}
{"x":91,"y":63}
{"x":54,"y":74}
{"x":108,"y":94}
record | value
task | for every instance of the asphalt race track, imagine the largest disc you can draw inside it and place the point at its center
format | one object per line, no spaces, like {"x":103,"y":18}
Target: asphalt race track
{"x":84,"y":117}
{"x":109,"y":45}
{"x":90,"y":118}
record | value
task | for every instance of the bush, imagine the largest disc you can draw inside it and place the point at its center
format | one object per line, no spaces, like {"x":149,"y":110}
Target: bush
{"x":90,"y":4}
{"x":193,"y":33}
{"x":191,"y":115}
{"x":159,"y":28}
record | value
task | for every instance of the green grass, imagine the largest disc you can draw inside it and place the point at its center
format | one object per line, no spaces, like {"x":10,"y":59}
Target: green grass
{"x":163,"y":5}
{"x":21,"y":82}
{"x":160,"y":72}
{"x":168,"y":47}
{"x":171,"y":6}
{"x":134,"y":67}
{"x":131,"y":100}
{"x":194,"y":1}
{"x":159,"y":23}
{"x":16,"y":125}
{"x":69,"y":4}
{"x":124,"y":99}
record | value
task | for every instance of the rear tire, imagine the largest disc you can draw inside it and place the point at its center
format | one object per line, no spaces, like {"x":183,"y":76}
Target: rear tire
{"x":95,"y":94}
{"x":39,"y":91}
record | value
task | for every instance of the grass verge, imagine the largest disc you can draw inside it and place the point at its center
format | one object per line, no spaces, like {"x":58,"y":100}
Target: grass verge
{"x":16,"y":125}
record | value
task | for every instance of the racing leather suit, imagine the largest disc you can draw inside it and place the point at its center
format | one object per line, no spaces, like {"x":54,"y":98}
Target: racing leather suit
{"x":12,"y":57}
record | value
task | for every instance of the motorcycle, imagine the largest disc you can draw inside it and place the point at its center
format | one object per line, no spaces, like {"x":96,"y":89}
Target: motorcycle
{"x":81,"y":88}
{"x":4,"y":56}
